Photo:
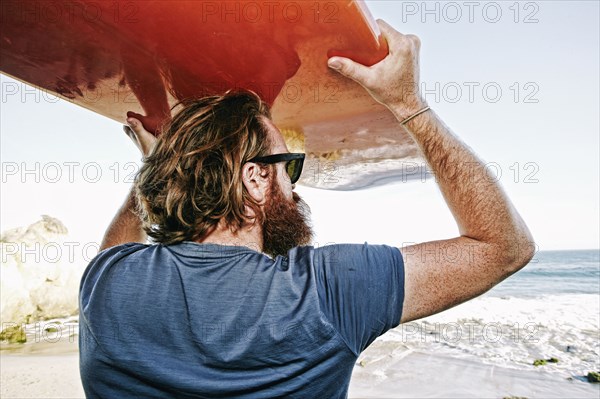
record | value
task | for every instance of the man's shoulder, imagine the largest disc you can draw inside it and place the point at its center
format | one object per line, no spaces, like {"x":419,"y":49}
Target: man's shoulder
{"x":332,"y":253}
{"x":108,"y":257}
{"x":119,"y":251}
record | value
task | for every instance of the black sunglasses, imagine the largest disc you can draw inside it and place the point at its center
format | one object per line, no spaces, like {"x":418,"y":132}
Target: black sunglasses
{"x":293,"y":163}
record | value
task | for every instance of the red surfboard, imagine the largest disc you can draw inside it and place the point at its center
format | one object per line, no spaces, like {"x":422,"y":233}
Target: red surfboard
{"x":144,"y":56}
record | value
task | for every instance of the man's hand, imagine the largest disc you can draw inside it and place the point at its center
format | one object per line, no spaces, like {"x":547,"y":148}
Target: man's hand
{"x":394,"y":81}
{"x":143,"y":139}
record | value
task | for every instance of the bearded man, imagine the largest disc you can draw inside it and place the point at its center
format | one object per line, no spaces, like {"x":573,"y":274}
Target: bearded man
{"x":231,"y":300}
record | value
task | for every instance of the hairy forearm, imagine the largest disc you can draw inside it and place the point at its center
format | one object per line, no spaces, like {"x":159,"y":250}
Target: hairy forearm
{"x":125,"y":227}
{"x":482,"y":210}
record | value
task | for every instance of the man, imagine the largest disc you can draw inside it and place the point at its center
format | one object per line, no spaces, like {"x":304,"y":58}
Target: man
{"x":205,"y":313}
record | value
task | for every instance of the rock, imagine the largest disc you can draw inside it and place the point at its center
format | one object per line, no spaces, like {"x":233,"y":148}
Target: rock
{"x":14,"y":335}
{"x":543,"y":362}
{"x":593,"y":376}
{"x":38,"y":284}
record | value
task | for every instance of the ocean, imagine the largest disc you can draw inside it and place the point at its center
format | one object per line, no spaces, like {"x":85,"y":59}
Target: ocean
{"x":549,"y":309}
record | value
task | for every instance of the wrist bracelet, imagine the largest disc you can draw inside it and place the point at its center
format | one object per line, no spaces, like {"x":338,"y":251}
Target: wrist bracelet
{"x":414,"y":115}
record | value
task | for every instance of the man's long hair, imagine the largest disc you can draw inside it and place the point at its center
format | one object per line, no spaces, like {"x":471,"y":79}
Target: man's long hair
{"x":193,"y":177}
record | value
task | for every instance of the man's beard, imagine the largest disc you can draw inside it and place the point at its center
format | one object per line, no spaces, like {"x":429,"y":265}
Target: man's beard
{"x":285,"y":223}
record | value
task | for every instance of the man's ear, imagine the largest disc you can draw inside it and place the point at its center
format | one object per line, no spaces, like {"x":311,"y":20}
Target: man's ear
{"x":255,"y":181}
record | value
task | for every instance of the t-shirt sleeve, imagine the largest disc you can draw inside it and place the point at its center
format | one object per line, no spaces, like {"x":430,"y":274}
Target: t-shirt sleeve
{"x":361,"y":290}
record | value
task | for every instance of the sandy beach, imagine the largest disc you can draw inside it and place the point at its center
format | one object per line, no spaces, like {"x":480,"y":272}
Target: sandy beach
{"x":40,"y":376}
{"x":422,"y":375}
{"x":51,"y":371}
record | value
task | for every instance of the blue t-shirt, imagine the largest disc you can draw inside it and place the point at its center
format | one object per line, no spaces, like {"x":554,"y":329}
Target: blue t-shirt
{"x":205,"y":320}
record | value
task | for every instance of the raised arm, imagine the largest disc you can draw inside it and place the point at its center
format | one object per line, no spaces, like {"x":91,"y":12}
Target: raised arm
{"x":126,"y":226}
{"x":494,"y":241}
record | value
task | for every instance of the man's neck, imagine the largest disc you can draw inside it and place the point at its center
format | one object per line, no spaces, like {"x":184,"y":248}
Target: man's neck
{"x":247,"y":236}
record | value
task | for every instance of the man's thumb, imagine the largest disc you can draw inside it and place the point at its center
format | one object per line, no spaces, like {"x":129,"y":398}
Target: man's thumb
{"x":349,"y":68}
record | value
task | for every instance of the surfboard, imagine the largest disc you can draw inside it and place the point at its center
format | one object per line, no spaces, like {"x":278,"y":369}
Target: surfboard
{"x":145,"y":56}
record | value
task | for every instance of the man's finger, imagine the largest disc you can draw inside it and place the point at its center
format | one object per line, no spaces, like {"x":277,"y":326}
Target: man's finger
{"x":350,"y":69}
{"x":135,"y":115}
{"x":134,"y":119}
{"x":390,"y":34}
{"x":416,"y":41}
{"x":136,"y":125}
{"x":385,"y":27}
{"x":148,"y":124}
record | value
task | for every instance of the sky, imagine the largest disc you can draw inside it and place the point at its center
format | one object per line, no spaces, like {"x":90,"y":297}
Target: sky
{"x":517,"y":81}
